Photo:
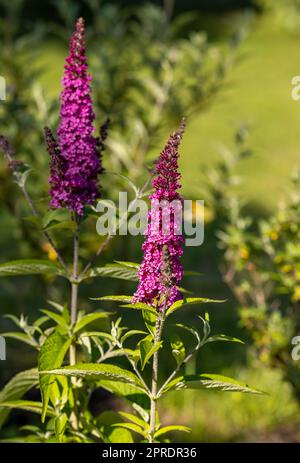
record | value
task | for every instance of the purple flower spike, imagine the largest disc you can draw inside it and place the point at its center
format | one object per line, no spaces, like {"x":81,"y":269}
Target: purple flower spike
{"x":75,"y":157}
{"x":161,"y":271}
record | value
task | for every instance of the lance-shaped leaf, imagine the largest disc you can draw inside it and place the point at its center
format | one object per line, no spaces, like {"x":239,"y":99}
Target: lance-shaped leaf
{"x":28,"y":405}
{"x":51,"y":356}
{"x":178,"y":349}
{"x":150,"y":321}
{"x":138,"y":399}
{"x":140,"y":306}
{"x":88,"y":319}
{"x":30,"y":267}
{"x":124,"y":299}
{"x":210,"y":381}
{"x":133,"y":265}
{"x":16,"y":388}
{"x":59,"y":319}
{"x":127,"y":302}
{"x":131,"y":427}
{"x":134,"y":419}
{"x":96,"y":370}
{"x":190,"y":301}
{"x":223,"y":337}
{"x":148,"y":349}
{"x":131,"y":333}
{"x":171,"y":428}
{"x":55,"y":215}
{"x":116,"y":270}
{"x":23,"y":337}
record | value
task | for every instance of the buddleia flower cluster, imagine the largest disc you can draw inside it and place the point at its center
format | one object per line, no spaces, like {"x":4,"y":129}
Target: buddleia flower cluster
{"x":161,"y":271}
{"x":75,"y":157}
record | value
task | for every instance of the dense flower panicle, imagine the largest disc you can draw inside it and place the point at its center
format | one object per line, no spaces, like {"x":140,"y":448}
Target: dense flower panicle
{"x":75,"y":160}
{"x":161,"y":271}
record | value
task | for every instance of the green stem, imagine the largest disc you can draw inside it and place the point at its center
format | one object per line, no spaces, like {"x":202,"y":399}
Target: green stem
{"x":74,"y":289}
{"x":74,"y":310}
{"x":153,"y":410}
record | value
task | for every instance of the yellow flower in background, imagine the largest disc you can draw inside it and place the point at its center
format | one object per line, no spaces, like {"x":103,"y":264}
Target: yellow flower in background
{"x":274,"y":235}
{"x":51,"y":252}
{"x":199,"y":210}
{"x":244,"y":253}
{"x":296,"y":294}
{"x":286,"y":268}
{"x":297,"y":274}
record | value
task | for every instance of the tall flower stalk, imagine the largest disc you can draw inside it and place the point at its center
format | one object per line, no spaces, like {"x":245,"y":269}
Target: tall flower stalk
{"x":161,"y":271}
{"x":75,"y":157}
{"x":75,"y":162}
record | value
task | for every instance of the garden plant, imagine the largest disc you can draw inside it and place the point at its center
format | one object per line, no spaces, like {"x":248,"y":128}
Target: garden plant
{"x":79,"y":352}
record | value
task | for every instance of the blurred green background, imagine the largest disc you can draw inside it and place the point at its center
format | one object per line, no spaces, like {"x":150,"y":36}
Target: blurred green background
{"x":231,"y":63}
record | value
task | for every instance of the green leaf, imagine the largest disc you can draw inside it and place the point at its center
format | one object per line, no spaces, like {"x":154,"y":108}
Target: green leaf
{"x":171,"y":428}
{"x":94,"y":370}
{"x":60,"y":308}
{"x":190,"y":301}
{"x":147,"y":350}
{"x":88,"y":319}
{"x":55,"y":215}
{"x":134,"y":265}
{"x":134,"y":419}
{"x":120,"y":436}
{"x":131,"y":333}
{"x":61,"y":422}
{"x":223,"y":337}
{"x":150,"y":320}
{"x":100,"y":334}
{"x":23,"y":337}
{"x":191,"y":273}
{"x":191,"y":330}
{"x":16,"y":388}
{"x":59,"y":319}
{"x":178,"y":349}
{"x":132,"y":427}
{"x":210,"y":381}
{"x":109,"y":433}
{"x":140,"y":306}
{"x":138,"y":399}
{"x":23,"y":179}
{"x":118,"y":271}
{"x":66,"y":225}
{"x":128,"y":300}
{"x":113,"y":298}
{"x":29,"y":267}
{"x":28,"y":405}
{"x":51,"y":356}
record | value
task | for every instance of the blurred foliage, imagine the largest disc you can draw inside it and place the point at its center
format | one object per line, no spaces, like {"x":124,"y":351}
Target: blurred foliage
{"x":286,"y":13}
{"x":211,"y":413}
{"x":261,"y":265}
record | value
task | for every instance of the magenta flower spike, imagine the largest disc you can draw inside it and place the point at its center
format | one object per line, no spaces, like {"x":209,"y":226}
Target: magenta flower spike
{"x":75,"y":157}
{"x":161,"y":271}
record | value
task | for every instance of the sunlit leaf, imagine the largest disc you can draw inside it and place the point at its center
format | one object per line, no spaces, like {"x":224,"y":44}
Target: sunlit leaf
{"x":190,"y":301}
{"x":16,"y":388}
{"x":51,"y":356}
